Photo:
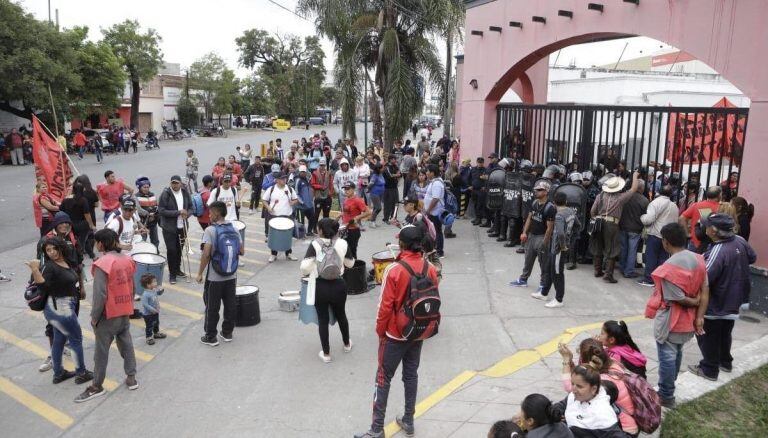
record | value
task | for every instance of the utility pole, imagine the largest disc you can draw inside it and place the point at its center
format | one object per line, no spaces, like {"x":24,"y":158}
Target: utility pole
{"x":306,"y":103}
{"x":49,"y":12}
{"x":365,"y":113}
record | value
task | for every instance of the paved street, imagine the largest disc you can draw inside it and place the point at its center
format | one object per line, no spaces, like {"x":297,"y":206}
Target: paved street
{"x":495,"y":345}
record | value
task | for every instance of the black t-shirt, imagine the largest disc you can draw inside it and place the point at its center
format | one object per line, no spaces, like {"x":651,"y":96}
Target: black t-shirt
{"x":93,"y":199}
{"x":540,"y":215}
{"x":76,"y":208}
{"x":59,"y":281}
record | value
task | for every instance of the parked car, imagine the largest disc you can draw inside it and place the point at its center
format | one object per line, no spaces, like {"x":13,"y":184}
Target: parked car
{"x":316,"y":121}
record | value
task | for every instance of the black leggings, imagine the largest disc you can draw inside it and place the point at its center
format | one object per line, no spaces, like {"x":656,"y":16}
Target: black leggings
{"x":353,"y":237}
{"x":331,"y":294}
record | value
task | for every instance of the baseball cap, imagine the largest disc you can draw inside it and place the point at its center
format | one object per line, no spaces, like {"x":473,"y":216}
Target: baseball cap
{"x":722,"y":222}
{"x":542,"y":185}
{"x":128,"y":203}
{"x":302,"y":168}
{"x":275,"y":168}
{"x":410,"y":235}
{"x":493,"y":155}
{"x":176,"y":178}
{"x":348,"y":185}
{"x":226,"y":177}
{"x":281,"y":175}
{"x":321,"y":161}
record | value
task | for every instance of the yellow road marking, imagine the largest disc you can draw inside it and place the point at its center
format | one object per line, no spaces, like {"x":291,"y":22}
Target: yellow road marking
{"x":34,"y":404}
{"x":43,"y":353}
{"x":184,"y":290}
{"x":181,"y":311}
{"x":136,"y":322}
{"x":502,"y":368}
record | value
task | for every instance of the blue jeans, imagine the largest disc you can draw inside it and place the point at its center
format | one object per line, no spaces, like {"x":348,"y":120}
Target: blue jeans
{"x":670,"y":358}
{"x":628,"y":256}
{"x":65,"y":327}
{"x":655,"y":255}
{"x":99,"y":156}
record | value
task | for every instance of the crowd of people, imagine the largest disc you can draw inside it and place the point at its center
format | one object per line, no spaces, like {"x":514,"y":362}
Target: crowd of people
{"x":686,"y":245}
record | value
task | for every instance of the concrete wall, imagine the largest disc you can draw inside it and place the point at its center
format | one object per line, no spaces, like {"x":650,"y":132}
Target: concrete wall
{"x":727,"y":35}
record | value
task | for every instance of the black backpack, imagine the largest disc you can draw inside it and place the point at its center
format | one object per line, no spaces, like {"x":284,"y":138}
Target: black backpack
{"x":419,"y":317}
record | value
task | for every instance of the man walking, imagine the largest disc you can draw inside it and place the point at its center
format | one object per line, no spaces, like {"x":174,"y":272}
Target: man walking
{"x":322,"y":185}
{"x":537,"y":234}
{"x":728,"y":260}
{"x":391,"y":175}
{"x":660,"y":212}
{"x":630,"y":230}
{"x":477,"y":187}
{"x":677,"y":306}
{"x":394,"y":348}
{"x":408,"y":168}
{"x":110,"y":192}
{"x":173,"y":207}
{"x":218,"y":287}
{"x":434,"y":205}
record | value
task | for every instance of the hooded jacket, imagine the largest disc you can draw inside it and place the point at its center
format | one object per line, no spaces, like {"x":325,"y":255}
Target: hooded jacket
{"x":393,"y":288}
{"x":728,"y":263}
{"x":74,"y":253}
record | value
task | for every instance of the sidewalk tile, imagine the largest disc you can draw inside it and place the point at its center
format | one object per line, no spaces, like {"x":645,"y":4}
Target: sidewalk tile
{"x":450,"y":410}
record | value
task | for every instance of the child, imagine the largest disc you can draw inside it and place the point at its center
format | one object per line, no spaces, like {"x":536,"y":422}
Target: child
{"x":505,"y":429}
{"x":150,"y":308}
{"x":565,"y":223}
{"x":619,"y":345}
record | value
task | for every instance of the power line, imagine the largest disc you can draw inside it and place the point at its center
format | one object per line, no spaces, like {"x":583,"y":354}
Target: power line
{"x":289,"y":10}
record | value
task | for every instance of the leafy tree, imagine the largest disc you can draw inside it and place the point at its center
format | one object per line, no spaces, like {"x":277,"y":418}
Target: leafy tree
{"x":187,"y":111}
{"x":395,"y":40}
{"x":103,"y":80}
{"x":291,"y":68}
{"x":139,"y":54}
{"x":227,"y":93}
{"x":205,"y":75}
{"x":256,"y":97}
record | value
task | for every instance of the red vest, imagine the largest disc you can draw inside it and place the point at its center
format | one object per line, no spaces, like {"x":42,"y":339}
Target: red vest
{"x":119,"y":269}
{"x":681,"y":318}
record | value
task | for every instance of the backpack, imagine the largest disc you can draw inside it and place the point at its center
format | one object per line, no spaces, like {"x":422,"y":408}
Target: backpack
{"x":646,"y":400}
{"x":218,"y":191}
{"x":328,"y":260}
{"x":225,"y":256}
{"x":563,"y":240}
{"x":198,"y":206}
{"x":35,"y":295}
{"x":450,"y":202}
{"x":419,"y":317}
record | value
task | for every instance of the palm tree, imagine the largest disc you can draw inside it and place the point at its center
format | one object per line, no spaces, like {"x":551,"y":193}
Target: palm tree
{"x":393,"y":38}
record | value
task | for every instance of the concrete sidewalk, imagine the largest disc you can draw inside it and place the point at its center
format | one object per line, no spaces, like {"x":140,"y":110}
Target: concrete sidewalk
{"x":475,"y":399}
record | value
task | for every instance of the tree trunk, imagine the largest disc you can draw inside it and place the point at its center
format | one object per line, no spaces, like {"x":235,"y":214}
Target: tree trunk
{"x":135,"y":95}
{"x":374,"y":111}
{"x":447,"y":91}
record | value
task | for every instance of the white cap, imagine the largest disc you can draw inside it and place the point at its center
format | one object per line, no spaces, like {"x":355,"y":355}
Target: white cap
{"x":302,"y":168}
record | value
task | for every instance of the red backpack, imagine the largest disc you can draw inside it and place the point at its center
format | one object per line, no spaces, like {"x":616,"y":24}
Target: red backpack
{"x":419,"y":317}
{"x":646,"y":400}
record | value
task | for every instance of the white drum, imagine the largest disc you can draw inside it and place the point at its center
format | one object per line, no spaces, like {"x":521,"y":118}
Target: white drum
{"x":142,"y":247}
{"x":289,"y":301}
{"x":280,"y":234}
{"x":240,"y":228}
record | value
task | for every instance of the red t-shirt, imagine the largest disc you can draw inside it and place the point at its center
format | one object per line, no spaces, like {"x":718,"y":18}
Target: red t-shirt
{"x":352,"y":207}
{"x":206,"y":217}
{"x":80,"y":139}
{"x":695,"y":212}
{"x":109,"y":195}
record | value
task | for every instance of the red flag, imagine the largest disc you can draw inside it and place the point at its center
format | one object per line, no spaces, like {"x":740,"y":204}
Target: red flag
{"x":51,"y":163}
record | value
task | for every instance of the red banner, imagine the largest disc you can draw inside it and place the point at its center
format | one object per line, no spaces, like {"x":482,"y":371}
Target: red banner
{"x":51,"y":163}
{"x":705,"y":138}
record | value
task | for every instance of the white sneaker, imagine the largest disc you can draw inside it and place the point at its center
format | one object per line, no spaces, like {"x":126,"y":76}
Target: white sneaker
{"x":250,"y":211}
{"x":348,"y":348}
{"x":553,"y":303}
{"x":272,"y":258}
{"x":373,"y":225}
{"x":323,"y":357}
{"x":291,"y":257}
{"x":241,"y":264}
{"x":46,"y":365}
{"x":539,"y":296}
{"x":137,"y":297}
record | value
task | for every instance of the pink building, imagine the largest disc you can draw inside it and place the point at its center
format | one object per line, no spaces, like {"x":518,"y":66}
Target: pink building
{"x":508,"y":44}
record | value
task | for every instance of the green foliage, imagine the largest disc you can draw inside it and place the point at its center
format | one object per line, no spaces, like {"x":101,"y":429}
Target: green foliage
{"x":103,"y":79}
{"x":187,"y":111}
{"x":737,"y":409}
{"x":291,"y":70}
{"x":139,"y":52}
{"x":395,"y":40}
{"x":216,"y":85}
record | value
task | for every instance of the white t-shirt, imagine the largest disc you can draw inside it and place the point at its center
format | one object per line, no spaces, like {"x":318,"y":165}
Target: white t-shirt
{"x":227,"y":196}
{"x":180,"y":205}
{"x":279,"y":200}
{"x":129,"y":229}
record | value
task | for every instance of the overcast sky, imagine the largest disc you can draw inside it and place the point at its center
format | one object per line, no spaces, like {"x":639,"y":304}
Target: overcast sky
{"x":192,"y":28}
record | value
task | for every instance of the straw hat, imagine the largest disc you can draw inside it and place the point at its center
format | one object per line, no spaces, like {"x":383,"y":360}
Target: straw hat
{"x":613,"y":184}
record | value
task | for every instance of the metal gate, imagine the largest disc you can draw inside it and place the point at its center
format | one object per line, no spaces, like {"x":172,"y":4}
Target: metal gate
{"x":707,"y":140}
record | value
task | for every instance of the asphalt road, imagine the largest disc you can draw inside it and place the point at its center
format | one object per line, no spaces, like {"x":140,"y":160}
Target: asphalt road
{"x":16,"y":219}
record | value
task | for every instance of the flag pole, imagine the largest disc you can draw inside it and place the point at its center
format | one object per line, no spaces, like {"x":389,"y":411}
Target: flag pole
{"x":53,"y":109}
{"x":60,"y":147}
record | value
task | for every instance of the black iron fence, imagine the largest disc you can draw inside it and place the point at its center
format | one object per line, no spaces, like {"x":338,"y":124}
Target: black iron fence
{"x":709,"y":141}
